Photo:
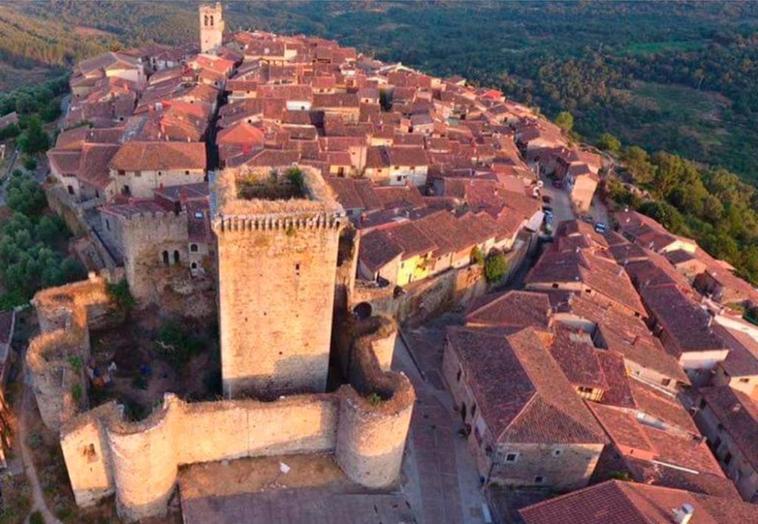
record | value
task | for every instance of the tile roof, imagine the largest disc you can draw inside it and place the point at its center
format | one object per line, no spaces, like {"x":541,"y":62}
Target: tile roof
{"x":154,"y":156}
{"x":617,"y":502}
{"x":576,"y":354}
{"x":513,"y":308}
{"x":377,"y":250}
{"x":684,"y":320}
{"x":738,"y":414}
{"x":522,"y":392}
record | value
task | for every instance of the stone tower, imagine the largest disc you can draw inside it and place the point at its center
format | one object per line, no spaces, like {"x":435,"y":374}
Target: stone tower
{"x":211,"y":27}
{"x":277,"y":258}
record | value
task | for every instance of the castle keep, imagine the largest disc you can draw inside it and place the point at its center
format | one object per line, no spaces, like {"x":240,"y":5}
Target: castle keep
{"x":277,"y":263}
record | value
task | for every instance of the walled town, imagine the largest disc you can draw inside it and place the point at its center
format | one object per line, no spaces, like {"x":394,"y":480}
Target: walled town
{"x":326,"y":288}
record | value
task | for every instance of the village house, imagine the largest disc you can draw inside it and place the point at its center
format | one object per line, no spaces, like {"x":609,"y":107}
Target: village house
{"x":525,"y":424}
{"x":139,"y":168}
{"x":740,"y":368}
{"x":729,"y":418}
{"x":634,"y":502}
{"x":686,"y":331}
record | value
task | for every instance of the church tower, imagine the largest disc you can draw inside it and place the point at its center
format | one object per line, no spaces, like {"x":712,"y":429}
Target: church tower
{"x":211,"y":27}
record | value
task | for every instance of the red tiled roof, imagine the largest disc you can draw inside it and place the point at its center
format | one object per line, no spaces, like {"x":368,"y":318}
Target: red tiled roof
{"x":149,"y":156}
{"x":617,"y":502}
{"x":513,"y":308}
{"x":522,"y":392}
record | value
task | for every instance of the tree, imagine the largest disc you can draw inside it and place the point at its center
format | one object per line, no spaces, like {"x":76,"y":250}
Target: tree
{"x":608,"y":142}
{"x":24,"y":195}
{"x":495,"y":267}
{"x":565,"y":120}
{"x":638,"y":164}
{"x":33,"y":139}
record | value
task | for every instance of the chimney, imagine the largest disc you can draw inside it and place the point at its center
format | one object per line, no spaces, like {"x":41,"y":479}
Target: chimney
{"x":683,"y":514}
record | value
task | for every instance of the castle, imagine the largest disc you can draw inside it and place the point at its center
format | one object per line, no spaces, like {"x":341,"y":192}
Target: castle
{"x":277,"y":245}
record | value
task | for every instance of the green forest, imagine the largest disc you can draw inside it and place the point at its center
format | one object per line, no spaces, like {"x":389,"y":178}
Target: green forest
{"x":673,"y":82}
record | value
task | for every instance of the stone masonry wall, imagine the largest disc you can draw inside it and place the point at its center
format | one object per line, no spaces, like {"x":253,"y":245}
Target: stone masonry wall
{"x":276,"y":291}
{"x":144,"y":239}
{"x":56,"y":357}
{"x":365,"y":428}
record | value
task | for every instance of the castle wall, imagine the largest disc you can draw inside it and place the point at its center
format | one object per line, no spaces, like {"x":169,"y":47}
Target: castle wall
{"x":56,"y":357}
{"x":365,"y":428}
{"x":276,"y":293}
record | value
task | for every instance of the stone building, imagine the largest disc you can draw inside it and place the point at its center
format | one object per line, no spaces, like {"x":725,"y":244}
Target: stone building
{"x":729,"y":418}
{"x":211,"y":27}
{"x":275,"y":315}
{"x":526,"y":425}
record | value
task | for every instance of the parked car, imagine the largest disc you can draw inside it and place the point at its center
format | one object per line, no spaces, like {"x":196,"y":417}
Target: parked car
{"x":588,"y":219}
{"x":547,"y":210}
{"x":601,"y":228}
{"x":557,"y":183}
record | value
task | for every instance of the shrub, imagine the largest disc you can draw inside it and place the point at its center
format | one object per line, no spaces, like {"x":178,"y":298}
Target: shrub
{"x":36,"y":518}
{"x":30,"y":163}
{"x":120,"y":295}
{"x":477,"y":257}
{"x":374,"y":399}
{"x":177,"y":345}
{"x":77,"y":392}
{"x":495,"y":267}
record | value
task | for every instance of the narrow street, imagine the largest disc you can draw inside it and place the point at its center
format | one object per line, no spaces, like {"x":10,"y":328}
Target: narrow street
{"x":442,"y":477}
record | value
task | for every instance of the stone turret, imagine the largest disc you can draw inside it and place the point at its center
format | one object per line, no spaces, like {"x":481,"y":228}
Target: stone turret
{"x":277,"y":260}
{"x":211,"y":27}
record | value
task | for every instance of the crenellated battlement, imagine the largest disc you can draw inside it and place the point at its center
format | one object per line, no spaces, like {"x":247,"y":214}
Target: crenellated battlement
{"x":285,"y":222}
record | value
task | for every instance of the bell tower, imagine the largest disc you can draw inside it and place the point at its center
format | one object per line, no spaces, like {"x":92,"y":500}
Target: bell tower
{"x":211,"y":27}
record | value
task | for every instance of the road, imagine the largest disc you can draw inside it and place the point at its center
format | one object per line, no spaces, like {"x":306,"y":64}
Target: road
{"x":561,"y":204}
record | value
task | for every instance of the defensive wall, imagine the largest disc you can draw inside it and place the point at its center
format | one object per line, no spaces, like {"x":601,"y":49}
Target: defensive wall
{"x":56,"y":358}
{"x":365,"y":426}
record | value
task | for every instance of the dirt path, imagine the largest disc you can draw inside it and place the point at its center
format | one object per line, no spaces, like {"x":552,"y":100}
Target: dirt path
{"x":38,"y":500}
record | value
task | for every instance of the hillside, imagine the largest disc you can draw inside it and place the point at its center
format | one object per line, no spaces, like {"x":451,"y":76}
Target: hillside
{"x":620,"y":67}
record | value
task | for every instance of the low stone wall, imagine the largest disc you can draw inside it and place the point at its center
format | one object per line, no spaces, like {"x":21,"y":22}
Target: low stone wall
{"x":424,"y":298}
{"x":365,"y":427}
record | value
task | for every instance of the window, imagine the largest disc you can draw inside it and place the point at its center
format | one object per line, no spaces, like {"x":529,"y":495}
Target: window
{"x":186,"y":172}
{"x":70,"y":190}
{"x":557,"y":452}
{"x":108,"y":225}
{"x":583,"y":389}
{"x":193,"y":265}
{"x":539,"y":479}
{"x":126,"y":191}
{"x":702,"y":403}
{"x":665,"y":382}
{"x":473,"y":410}
{"x":727,"y":458}
{"x":745,"y":380}
{"x":160,"y":173}
{"x":458,"y":375}
{"x":165,"y":258}
{"x":511,"y":457}
{"x":193,"y":248}
{"x":555,"y":286}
